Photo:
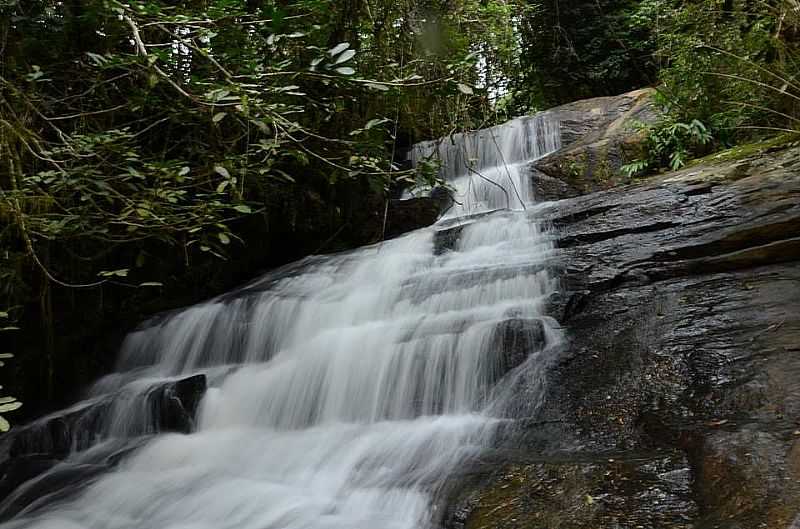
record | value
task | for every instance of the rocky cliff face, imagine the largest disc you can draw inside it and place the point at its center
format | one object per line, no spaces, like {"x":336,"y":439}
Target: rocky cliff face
{"x":600,"y":136}
{"x":676,"y":402}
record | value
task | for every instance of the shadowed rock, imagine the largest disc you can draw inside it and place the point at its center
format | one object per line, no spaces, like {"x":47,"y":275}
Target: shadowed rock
{"x":169,"y":406}
{"x":676,"y":403}
{"x":39,"y":463}
{"x":515,"y":339}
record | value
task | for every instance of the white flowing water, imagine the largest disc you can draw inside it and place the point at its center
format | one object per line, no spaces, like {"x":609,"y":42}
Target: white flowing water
{"x":344,"y":389}
{"x":487,"y":169}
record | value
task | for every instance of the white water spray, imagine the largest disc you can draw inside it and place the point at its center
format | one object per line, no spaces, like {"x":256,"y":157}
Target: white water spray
{"x":344,"y":389}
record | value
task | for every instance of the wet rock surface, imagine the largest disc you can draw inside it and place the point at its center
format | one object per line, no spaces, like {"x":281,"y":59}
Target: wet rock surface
{"x":410,"y":214}
{"x":651,"y":490}
{"x":170,"y":408}
{"x":676,"y":401}
{"x":35,"y":462}
{"x":599,"y":136}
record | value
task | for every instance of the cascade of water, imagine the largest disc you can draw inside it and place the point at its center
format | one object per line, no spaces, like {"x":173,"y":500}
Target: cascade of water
{"x":342,"y":390}
{"x":487,"y":169}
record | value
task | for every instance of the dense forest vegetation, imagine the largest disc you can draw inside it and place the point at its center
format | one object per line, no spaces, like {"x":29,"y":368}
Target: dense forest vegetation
{"x":155,"y":152}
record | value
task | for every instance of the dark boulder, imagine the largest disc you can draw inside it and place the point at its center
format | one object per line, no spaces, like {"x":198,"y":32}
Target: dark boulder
{"x":28,"y":483}
{"x":18,"y":470}
{"x":173,"y":405}
{"x":170,"y":406}
{"x":404,"y":215}
{"x":514,"y":340}
{"x":41,"y":459}
{"x":59,"y":434}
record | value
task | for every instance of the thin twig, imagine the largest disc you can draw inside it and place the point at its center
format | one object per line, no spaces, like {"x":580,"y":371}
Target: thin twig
{"x":92,"y":113}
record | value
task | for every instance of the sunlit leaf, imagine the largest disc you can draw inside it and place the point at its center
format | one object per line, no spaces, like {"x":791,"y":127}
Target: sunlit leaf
{"x":374,"y":122}
{"x":222,"y":171}
{"x":339,"y":48}
{"x":122,"y":272}
{"x":377,"y":86}
{"x":345,"y":56}
{"x":11,"y":406}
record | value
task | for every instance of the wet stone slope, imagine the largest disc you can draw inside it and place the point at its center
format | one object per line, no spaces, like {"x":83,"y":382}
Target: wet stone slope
{"x":676,"y":402}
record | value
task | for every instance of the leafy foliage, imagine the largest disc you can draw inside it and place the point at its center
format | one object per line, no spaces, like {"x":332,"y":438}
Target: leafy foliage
{"x":731,"y":65}
{"x":7,"y":403}
{"x":576,"y":49}
{"x":142,"y":140}
{"x":726,"y":64}
{"x":671,"y":144}
{"x":722,"y":60}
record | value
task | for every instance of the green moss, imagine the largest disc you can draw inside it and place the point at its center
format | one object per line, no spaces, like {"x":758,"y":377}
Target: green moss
{"x":749,"y":149}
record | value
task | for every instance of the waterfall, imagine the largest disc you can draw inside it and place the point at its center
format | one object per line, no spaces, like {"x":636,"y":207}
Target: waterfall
{"x":342,"y":390}
{"x":487,"y":169}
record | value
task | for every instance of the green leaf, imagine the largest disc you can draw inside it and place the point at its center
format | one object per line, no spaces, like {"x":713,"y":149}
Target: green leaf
{"x":222,"y":171}
{"x":346,"y":70}
{"x":339,"y":48}
{"x":151,"y":284}
{"x":223,"y":238}
{"x":345,"y":56}
{"x":122,"y":272}
{"x":217,"y":94}
{"x":377,"y":86}
{"x":4,"y":425}
{"x":11,"y":406}
{"x":286,"y":176}
{"x":184,"y":171}
{"x":6,"y":355}
{"x":6,"y":400}
{"x":219,"y":116}
{"x":373,"y":122}
{"x":242,"y":208}
{"x":465,"y":89}
{"x":97,"y":60}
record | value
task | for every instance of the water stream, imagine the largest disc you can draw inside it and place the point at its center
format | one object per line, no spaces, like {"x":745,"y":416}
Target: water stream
{"x":343,"y":389}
